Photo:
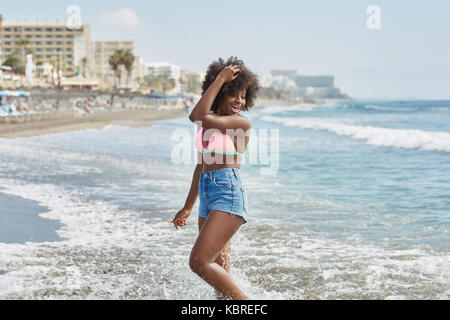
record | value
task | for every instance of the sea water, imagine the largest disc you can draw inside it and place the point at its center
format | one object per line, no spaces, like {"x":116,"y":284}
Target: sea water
{"x":358,"y":208}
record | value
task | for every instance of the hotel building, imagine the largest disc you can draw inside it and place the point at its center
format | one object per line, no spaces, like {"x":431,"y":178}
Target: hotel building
{"x":48,"y":42}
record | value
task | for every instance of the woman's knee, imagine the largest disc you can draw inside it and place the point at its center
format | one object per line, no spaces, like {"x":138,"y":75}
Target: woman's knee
{"x":197,"y":263}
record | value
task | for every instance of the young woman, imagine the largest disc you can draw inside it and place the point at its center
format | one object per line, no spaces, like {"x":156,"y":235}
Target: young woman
{"x":229,"y":88}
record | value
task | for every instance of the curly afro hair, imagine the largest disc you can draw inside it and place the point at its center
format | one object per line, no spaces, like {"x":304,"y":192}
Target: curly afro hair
{"x":246,"y":80}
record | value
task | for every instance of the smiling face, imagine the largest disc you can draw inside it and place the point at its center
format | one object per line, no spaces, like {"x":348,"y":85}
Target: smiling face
{"x":232,"y":105}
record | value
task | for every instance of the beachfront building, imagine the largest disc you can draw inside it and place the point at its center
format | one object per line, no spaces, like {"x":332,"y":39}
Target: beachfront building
{"x":140,"y":69}
{"x":11,"y":80}
{"x":191,"y":81}
{"x":54,"y":43}
{"x":279,"y":82}
{"x":317,"y":87}
{"x":79,"y":82}
{"x":303,"y":86}
{"x":290,"y":74}
{"x":315,"y":81}
{"x":102,"y":50}
{"x":156,"y":69}
{"x":172,"y":71}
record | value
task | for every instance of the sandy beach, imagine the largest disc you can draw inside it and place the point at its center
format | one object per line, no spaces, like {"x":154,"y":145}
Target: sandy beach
{"x":63,"y":121}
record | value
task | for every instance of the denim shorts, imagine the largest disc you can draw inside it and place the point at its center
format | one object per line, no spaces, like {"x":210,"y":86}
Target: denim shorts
{"x":222,"y":190}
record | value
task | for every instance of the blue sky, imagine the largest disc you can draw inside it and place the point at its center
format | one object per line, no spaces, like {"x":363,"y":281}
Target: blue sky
{"x":409,"y":57}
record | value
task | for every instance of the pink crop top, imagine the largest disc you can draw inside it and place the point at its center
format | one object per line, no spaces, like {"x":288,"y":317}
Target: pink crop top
{"x":219,"y":142}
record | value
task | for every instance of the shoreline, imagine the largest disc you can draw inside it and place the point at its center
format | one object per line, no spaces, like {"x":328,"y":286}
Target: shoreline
{"x":59,"y":122}
{"x":31,"y":125}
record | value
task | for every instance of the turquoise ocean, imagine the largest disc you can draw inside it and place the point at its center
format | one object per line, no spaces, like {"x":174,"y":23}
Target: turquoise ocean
{"x":355,"y":205}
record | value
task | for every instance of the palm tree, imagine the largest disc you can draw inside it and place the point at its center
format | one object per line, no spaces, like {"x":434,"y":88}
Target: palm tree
{"x":13,"y":61}
{"x":115,"y":61}
{"x":58,"y":63}
{"x":24,"y":43}
{"x":128,"y":61}
{"x":39,"y":65}
{"x":84,"y":62}
{"x":121,"y":57}
{"x":161,"y":83}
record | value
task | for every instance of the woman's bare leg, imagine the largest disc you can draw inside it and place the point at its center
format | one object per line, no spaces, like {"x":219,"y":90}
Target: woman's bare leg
{"x":223,"y":259}
{"x":214,"y":236}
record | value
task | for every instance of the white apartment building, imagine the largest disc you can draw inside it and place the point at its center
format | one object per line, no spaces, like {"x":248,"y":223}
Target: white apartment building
{"x":290,"y":74}
{"x":277,"y":82}
{"x":156,"y":69}
{"x":140,"y":68}
{"x":191,"y":81}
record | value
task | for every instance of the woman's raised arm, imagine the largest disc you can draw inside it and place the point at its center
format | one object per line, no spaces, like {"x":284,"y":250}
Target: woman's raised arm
{"x":201,"y":110}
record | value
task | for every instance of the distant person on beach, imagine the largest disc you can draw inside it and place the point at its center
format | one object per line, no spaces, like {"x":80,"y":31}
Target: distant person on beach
{"x":21,"y":108}
{"x":187,"y":105}
{"x":229,"y":88}
{"x":86,"y":108}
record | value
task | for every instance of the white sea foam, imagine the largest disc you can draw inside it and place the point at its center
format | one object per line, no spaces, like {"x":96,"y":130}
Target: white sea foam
{"x":279,"y":109}
{"x":106,"y":253}
{"x":388,"y":108}
{"x":99,"y":239}
{"x":110,"y":253}
{"x":341,"y":269}
{"x":399,"y":138}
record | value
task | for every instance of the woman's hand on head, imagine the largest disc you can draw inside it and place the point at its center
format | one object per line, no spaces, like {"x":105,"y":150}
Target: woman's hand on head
{"x":181,"y":217}
{"x":229,"y":73}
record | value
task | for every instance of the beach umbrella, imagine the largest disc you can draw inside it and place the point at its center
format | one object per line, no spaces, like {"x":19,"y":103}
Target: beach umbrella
{"x":8,"y":93}
{"x":156,"y":95}
{"x":18,"y":93}
{"x":23,"y":93}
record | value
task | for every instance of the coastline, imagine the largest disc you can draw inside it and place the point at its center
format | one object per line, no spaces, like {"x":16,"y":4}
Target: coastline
{"x":58,"y":122}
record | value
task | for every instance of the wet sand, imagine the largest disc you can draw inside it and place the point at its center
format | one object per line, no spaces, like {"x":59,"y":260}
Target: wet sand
{"x":20,"y":221}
